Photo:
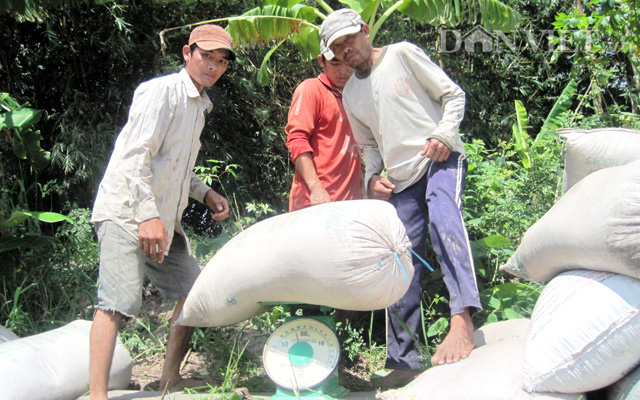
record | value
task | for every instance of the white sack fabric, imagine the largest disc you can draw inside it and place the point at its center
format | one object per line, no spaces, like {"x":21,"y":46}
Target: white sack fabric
{"x":584,"y":332}
{"x":54,"y":365}
{"x":587,"y":151}
{"x":6,"y":335}
{"x":595,"y":225}
{"x":342,"y":254}
{"x":493,"y":371}
{"x":627,"y":388}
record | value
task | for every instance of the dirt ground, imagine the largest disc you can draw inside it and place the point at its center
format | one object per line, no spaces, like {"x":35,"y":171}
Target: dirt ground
{"x":196,"y":365}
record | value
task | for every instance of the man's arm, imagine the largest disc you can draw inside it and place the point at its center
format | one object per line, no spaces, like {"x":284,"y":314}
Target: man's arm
{"x":218,"y":204}
{"x":442,"y":89}
{"x":377,"y":187}
{"x":307,"y":170}
{"x":149,"y":118}
{"x":301,"y":126}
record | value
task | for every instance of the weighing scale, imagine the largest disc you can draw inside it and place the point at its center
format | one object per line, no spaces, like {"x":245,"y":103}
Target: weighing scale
{"x":301,"y":355}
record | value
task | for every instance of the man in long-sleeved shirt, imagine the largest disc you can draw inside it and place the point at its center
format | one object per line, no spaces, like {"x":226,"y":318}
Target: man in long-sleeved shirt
{"x":141,"y":199}
{"x":319,"y":138}
{"x":405,"y":112}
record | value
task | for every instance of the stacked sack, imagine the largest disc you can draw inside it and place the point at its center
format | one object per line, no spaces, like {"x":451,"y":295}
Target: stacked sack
{"x":586,"y":324}
{"x":351,"y":255}
{"x":54,"y":365}
{"x":493,"y":371}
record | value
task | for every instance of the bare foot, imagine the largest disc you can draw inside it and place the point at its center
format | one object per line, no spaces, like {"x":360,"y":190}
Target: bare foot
{"x":459,"y":341}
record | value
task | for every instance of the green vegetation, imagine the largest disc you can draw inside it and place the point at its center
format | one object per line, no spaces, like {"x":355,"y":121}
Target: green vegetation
{"x":68,"y":74}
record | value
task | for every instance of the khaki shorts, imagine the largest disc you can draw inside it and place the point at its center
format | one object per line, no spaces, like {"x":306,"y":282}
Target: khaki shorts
{"x":123,"y":265}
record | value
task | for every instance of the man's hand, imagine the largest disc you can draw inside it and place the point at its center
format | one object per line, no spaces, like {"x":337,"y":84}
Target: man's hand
{"x":380,"y":188}
{"x":435,"y":150}
{"x":153,"y":239}
{"x":218,"y":204}
{"x":319,"y":196}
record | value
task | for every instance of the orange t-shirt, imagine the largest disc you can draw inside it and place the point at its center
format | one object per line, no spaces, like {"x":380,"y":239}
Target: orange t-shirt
{"x":318,"y":125}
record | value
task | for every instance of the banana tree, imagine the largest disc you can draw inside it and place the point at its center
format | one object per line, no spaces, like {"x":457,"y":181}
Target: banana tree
{"x":18,"y":122}
{"x":278,"y":21}
{"x":523,"y":144}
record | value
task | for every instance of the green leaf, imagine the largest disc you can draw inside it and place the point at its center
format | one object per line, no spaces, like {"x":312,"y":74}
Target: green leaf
{"x":264,"y":73}
{"x":270,"y":23}
{"x":512,"y":314}
{"x":497,"y":241}
{"x":520,"y":137}
{"x":17,"y":217}
{"x":440,"y":326}
{"x":365,"y":8}
{"x":30,"y":241}
{"x":49,"y":217}
{"x":26,"y":145}
{"x":308,"y":43}
{"x":8,"y":103}
{"x":494,"y":15}
{"x":433,"y":12}
{"x":562,"y":105}
{"x":498,"y":16}
{"x":20,"y":118}
{"x":281,"y":3}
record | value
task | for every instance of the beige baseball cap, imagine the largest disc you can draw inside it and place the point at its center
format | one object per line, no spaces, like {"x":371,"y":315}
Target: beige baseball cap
{"x":212,"y":37}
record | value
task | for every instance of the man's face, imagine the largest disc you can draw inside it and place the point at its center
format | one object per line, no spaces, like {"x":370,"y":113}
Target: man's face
{"x":336,"y":70}
{"x":353,"y":49}
{"x":205,"y":67}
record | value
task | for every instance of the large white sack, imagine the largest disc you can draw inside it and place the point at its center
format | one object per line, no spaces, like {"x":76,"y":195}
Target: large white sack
{"x":627,"y":388}
{"x":6,"y":335}
{"x":493,"y":371}
{"x":584,"y":332}
{"x":54,"y":365}
{"x":587,"y":151}
{"x":595,"y":225}
{"x":342,"y":254}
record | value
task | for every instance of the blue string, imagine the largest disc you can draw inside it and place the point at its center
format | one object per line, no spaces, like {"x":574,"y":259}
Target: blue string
{"x":406,"y":278}
{"x":421,"y":259}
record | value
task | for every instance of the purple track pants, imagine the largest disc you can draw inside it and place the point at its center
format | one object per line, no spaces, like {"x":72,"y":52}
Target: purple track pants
{"x":434,"y":205}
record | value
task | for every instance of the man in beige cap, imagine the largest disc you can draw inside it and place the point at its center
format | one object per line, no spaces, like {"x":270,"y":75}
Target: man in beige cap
{"x":141,"y":198}
{"x":404,"y":112}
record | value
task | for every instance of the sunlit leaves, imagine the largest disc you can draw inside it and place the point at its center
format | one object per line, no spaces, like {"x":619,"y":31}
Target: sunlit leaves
{"x":270,"y":23}
{"x":494,"y":15}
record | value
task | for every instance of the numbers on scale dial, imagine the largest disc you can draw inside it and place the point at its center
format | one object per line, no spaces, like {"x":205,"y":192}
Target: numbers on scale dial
{"x":301,"y":353}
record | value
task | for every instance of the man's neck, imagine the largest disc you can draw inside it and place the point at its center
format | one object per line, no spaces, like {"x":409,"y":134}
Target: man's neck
{"x":376,"y":52}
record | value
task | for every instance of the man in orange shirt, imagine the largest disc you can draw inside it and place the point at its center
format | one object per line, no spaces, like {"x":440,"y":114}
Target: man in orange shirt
{"x":320,"y":141}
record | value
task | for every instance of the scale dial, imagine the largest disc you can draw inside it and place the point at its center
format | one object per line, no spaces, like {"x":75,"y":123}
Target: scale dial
{"x":301,"y":353}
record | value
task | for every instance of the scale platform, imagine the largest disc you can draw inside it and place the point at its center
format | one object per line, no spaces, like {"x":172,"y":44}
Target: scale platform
{"x":301,"y":355}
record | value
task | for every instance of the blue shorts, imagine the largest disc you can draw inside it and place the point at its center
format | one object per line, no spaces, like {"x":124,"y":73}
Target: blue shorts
{"x":123,"y":265}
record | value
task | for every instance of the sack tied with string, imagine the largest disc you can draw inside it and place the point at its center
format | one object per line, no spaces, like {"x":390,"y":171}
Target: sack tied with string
{"x":352,"y":255}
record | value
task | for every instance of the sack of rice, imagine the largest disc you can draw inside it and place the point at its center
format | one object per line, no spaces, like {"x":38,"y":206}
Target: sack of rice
{"x":54,"y":365}
{"x":595,"y":225}
{"x":351,"y":255}
{"x":587,"y":151}
{"x":584,"y":332}
{"x":627,"y":388}
{"x":493,"y":371}
{"x":6,"y":335}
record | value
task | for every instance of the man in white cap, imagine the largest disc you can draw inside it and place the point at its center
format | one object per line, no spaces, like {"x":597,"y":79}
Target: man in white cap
{"x":141,"y":198}
{"x":404,"y":112}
